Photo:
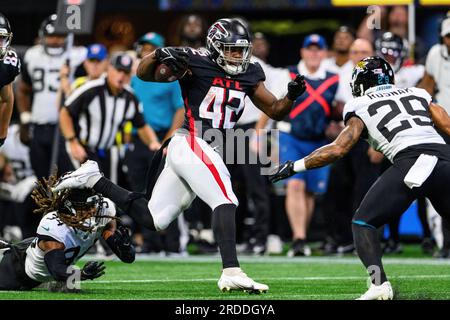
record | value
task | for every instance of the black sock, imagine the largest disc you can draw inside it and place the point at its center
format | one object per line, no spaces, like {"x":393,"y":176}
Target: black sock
{"x":134,"y":204}
{"x":422,"y":212}
{"x":224,"y":228}
{"x":393,"y":229}
{"x":368,"y":248}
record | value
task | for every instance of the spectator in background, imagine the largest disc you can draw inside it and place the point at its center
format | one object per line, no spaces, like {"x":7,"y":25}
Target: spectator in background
{"x":192,"y":32}
{"x":163,"y":110}
{"x":302,"y":131}
{"x":398,"y":21}
{"x":261,"y":46}
{"x":95,"y":112}
{"x":37,"y":99}
{"x":340,"y":61}
{"x":394,"y":49}
{"x":94,"y":65}
{"x":393,"y":19}
{"x":437,"y":83}
{"x":249,"y":174}
{"x":351,"y":176}
{"x":436,"y":80}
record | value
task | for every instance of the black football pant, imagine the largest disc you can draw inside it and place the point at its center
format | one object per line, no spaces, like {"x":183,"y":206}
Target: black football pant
{"x":388,"y":198}
{"x":12,"y":271}
{"x":41,"y":149}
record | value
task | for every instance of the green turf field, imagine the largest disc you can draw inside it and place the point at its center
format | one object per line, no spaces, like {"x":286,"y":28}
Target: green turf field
{"x":413,"y":277}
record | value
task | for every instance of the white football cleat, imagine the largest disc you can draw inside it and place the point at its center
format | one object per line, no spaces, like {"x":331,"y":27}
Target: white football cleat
{"x":235,"y":279}
{"x":381,"y":292}
{"x":84,"y":177}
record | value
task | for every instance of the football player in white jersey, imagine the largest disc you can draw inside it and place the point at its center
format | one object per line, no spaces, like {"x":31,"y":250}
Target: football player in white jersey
{"x":73,"y":221}
{"x":394,"y":49}
{"x":9,"y":69}
{"x":37,"y":95}
{"x":398,"y":123}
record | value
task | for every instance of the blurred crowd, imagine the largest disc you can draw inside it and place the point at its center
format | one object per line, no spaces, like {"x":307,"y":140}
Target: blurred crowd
{"x":89,"y":104}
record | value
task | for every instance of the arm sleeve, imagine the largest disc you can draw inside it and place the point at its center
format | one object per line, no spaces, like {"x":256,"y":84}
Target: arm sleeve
{"x":257,"y":75}
{"x":55,"y":261}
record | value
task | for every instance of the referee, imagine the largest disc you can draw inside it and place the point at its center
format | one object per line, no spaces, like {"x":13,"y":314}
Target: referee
{"x":96,"y":111}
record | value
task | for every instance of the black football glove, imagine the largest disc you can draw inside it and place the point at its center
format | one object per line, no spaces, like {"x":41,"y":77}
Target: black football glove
{"x":92,"y":270}
{"x":176,"y":59}
{"x":296,"y":87}
{"x":282,"y":171}
{"x":121,"y":244}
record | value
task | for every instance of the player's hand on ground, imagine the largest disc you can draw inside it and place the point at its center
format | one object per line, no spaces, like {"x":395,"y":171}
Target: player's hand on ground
{"x":282,"y":171}
{"x":296,"y":87}
{"x":92,"y":270}
{"x":176,"y":59}
{"x":77,"y":151}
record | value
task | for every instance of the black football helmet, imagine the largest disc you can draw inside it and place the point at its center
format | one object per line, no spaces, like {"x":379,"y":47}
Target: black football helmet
{"x":370,"y":72}
{"x":392,"y":48}
{"x":48,"y":28}
{"x":225,"y":37}
{"x":81,"y":206}
{"x":5,"y":36}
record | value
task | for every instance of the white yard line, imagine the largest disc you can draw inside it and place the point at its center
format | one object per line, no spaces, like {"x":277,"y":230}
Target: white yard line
{"x":405,"y":277}
{"x":276,"y":259}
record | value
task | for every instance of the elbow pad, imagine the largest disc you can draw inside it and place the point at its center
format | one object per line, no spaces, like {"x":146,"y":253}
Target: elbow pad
{"x":55,"y":260}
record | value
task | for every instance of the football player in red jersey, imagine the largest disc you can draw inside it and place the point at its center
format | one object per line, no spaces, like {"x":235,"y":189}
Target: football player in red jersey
{"x":214,"y":84}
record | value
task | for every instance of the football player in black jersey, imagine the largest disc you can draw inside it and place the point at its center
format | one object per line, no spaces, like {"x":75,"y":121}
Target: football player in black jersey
{"x":9,"y":69}
{"x":214,"y":83}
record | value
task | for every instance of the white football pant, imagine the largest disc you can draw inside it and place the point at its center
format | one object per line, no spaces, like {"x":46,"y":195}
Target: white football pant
{"x":192,"y":169}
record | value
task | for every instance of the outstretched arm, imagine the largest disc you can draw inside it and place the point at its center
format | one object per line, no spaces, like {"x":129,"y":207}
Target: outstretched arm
{"x":338,"y":148}
{"x":324,"y":155}
{"x":275,"y":108}
{"x":440,"y":118}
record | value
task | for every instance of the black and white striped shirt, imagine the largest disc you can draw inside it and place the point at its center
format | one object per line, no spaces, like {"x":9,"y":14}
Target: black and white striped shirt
{"x":98,"y":115}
